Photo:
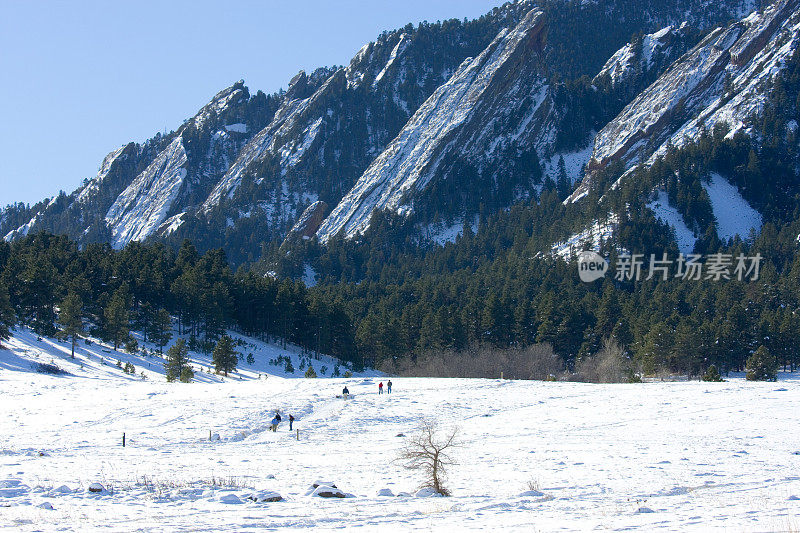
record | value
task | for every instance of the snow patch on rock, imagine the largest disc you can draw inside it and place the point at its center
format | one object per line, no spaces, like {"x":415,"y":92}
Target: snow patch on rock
{"x":144,"y":204}
{"x":237,"y":128}
{"x":622,"y":65}
{"x":398,"y":49}
{"x":413,"y":157}
{"x":105,"y":167}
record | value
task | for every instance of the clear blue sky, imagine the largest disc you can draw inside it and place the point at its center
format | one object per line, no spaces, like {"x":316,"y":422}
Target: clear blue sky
{"x":82,"y":78}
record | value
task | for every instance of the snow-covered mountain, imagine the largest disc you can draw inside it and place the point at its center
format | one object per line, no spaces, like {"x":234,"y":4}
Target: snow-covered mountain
{"x":723,"y":79}
{"x":431,"y":122}
{"x":139,"y":186}
{"x":643,"y":55}
{"x":495,"y":104}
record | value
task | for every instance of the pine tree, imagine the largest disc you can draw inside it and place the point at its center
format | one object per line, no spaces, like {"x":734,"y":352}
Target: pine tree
{"x":187,"y":374}
{"x":7,"y":316}
{"x":70,"y":318}
{"x":562,"y":182}
{"x":161,"y":331}
{"x":311,"y":373}
{"x":762,"y":366}
{"x":224,"y":356}
{"x":177,"y":360}
{"x":712,"y":374}
{"x":38,"y":295}
{"x":116,"y":316}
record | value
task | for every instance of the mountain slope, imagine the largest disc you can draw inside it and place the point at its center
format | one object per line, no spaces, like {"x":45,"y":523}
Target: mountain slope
{"x":239,"y":174}
{"x":489,"y":103}
{"x":139,"y":186}
{"x":723,"y":79}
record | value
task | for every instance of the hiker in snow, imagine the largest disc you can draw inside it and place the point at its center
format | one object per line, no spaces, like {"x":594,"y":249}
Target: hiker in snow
{"x":291,"y":421}
{"x":389,"y":387}
{"x":345,"y":392}
{"x":274,"y":424}
{"x":278,"y":417}
{"x":380,"y":387}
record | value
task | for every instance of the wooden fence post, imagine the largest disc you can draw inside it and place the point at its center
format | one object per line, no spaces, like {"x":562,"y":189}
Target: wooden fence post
{"x":123,"y":440}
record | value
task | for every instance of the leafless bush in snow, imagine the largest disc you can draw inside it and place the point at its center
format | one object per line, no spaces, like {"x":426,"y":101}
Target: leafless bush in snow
{"x":430,"y":451}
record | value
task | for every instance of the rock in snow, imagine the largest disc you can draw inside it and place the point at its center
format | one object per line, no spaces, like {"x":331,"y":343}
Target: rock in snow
{"x":231,"y":499}
{"x":427,"y":492}
{"x":328,"y":492}
{"x":265,"y":497}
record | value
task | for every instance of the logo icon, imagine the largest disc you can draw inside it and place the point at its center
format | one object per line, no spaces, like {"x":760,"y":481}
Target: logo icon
{"x":591,"y":266}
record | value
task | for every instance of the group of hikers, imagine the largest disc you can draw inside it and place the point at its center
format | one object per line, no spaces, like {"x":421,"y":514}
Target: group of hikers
{"x":276,"y":420}
{"x":346,"y":391}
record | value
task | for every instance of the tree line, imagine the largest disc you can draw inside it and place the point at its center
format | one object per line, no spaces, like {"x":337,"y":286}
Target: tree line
{"x":53,"y":286}
{"x":499,"y":285}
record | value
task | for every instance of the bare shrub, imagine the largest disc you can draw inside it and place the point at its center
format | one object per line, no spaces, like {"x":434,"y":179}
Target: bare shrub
{"x":49,"y":368}
{"x":430,"y":451}
{"x":161,"y":487}
{"x":537,"y":361}
{"x":608,"y":365}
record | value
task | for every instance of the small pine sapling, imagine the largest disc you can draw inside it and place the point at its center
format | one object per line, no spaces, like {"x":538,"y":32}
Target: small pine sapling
{"x":187,"y":374}
{"x":712,"y":374}
{"x":762,"y":366}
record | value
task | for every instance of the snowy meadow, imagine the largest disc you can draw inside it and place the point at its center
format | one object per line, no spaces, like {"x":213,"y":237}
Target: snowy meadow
{"x":534,"y":456}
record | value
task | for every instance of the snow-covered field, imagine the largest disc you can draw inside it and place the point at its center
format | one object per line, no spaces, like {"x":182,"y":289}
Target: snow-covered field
{"x":654,"y":456}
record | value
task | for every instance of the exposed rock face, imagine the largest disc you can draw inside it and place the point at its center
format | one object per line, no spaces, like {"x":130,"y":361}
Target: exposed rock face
{"x":142,"y":207}
{"x":424,"y":121}
{"x":637,"y":57}
{"x":500,"y":98}
{"x":309,"y":222}
{"x":288,"y":136}
{"x":723,"y":79}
